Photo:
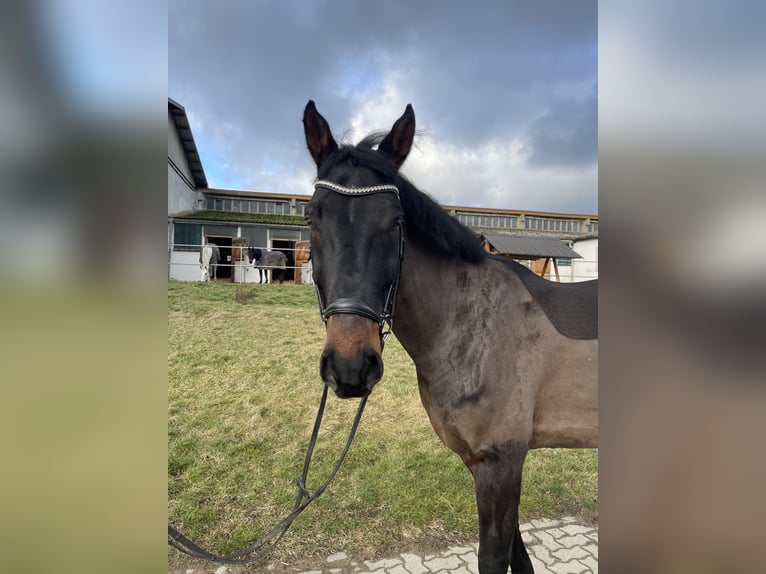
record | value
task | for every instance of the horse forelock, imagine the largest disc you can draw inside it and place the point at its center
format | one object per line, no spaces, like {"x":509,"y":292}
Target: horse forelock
{"x":426,"y":222}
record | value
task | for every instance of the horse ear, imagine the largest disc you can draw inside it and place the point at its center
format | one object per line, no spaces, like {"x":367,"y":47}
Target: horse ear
{"x":318,"y":136}
{"x":398,"y":142}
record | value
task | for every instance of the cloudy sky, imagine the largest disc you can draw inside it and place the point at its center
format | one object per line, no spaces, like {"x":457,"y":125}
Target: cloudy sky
{"x":505,"y":92}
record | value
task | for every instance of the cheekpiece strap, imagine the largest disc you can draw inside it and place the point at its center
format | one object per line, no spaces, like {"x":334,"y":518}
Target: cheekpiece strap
{"x":357,"y":190}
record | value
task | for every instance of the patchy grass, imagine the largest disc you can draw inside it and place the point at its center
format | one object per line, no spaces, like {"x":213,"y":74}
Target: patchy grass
{"x":242,"y":395}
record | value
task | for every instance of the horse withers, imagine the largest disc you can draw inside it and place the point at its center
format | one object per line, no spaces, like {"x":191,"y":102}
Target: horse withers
{"x":209,"y":256}
{"x":505,"y":360}
{"x":265,"y":261}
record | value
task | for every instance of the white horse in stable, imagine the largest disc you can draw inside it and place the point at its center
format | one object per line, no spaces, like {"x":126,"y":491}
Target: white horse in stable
{"x":209,"y":256}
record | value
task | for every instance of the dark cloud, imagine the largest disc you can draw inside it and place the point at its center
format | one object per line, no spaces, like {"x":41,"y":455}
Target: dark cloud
{"x":475,"y":73}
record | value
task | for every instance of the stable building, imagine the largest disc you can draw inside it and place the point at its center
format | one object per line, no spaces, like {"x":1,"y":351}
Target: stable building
{"x":558,"y":246}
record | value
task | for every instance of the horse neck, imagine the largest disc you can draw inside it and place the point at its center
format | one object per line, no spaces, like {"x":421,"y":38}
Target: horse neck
{"x":429,"y":295}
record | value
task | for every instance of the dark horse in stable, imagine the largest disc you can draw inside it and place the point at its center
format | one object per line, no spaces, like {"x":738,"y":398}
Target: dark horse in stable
{"x":265,"y":261}
{"x":506,"y":361}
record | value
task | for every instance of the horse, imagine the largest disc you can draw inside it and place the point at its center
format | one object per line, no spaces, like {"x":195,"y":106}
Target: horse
{"x":506,"y":361}
{"x":265,"y":261}
{"x":209,"y":256}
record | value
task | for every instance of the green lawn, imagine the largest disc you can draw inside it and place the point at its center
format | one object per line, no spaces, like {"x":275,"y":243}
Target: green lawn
{"x":243,"y":388}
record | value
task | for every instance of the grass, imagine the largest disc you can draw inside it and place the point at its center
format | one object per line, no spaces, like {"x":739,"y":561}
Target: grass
{"x":243,"y":391}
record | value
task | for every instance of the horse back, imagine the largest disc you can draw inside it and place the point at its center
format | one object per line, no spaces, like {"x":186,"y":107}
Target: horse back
{"x":572,"y":308}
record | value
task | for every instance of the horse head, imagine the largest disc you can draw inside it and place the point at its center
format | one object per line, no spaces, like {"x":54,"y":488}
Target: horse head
{"x":355,"y":220}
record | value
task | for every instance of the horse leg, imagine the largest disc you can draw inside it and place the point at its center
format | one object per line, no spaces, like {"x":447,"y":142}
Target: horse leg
{"x":520,"y":561}
{"x":497,"y":480}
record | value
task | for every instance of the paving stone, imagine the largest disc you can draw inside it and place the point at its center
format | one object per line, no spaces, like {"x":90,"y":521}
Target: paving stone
{"x":539,"y":567}
{"x":529,"y":538}
{"x":547,"y":540}
{"x":397,"y":570}
{"x":414,"y":564}
{"x":571,"y":567}
{"x":337,"y":556}
{"x":540,"y":523}
{"x":387,"y":563}
{"x":573,"y":529}
{"x":460,"y":570}
{"x":542,"y":553}
{"x":446,"y":563}
{"x":457,"y":550}
{"x":222,"y":570}
{"x":576,"y":540}
{"x":591,"y":564}
{"x":335,"y":570}
{"x":556,"y":533}
{"x":471,"y":562}
{"x":567,"y":554}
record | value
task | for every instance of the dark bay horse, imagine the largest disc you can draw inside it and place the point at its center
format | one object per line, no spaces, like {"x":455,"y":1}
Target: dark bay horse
{"x":506,"y":361}
{"x":266,"y":261}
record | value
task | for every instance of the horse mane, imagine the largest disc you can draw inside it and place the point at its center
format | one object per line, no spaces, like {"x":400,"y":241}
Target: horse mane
{"x":426,"y":223}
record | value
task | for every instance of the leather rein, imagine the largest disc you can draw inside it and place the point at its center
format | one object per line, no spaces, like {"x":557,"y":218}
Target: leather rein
{"x":348,"y":306}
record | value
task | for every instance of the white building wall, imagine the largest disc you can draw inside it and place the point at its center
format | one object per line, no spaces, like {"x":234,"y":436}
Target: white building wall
{"x":184,"y":266}
{"x":181,"y":193}
{"x":582,"y":269}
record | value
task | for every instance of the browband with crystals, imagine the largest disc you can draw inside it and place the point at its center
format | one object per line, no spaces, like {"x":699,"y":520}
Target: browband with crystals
{"x":357,"y":190}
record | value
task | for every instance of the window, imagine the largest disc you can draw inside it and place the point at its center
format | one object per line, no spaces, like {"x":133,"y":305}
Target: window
{"x":564,"y":261}
{"x":187,"y":236}
{"x":210,"y":203}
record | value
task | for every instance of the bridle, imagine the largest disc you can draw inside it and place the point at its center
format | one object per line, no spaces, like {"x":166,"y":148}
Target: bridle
{"x":350,"y":305}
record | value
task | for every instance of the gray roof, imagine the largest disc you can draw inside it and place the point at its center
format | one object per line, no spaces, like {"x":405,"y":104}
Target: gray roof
{"x":187,"y":140}
{"x":525,"y":246}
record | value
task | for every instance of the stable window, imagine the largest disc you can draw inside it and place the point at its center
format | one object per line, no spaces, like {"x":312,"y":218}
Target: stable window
{"x":187,"y":236}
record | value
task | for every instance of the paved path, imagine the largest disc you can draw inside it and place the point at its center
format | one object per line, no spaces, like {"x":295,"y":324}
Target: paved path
{"x":555,"y":547}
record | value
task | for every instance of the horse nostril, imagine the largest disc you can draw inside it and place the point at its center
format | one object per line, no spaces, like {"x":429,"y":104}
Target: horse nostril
{"x":372,"y":371}
{"x":326,"y":365}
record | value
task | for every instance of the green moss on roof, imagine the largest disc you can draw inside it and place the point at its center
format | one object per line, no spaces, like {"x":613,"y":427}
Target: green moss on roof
{"x":243,"y":217}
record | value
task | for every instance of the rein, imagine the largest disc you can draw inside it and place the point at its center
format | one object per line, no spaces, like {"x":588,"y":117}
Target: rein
{"x":303,"y":500}
{"x":349,"y":306}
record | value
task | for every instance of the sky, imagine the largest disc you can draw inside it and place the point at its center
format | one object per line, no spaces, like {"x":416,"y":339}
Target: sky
{"x":505,"y":93}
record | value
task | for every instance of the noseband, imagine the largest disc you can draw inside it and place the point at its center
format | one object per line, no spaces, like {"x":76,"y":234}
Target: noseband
{"x":351,"y":306}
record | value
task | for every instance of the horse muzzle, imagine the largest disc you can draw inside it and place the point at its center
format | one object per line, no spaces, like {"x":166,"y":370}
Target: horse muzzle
{"x":351,"y":364}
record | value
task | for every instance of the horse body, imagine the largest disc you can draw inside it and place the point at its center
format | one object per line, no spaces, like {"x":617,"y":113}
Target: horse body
{"x":264,"y":261}
{"x":209,"y":256}
{"x":505,"y":360}
{"x":510,"y":377}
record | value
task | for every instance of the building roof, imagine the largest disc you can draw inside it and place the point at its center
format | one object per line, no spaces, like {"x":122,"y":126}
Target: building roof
{"x":178,"y":113}
{"x":525,"y":246}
